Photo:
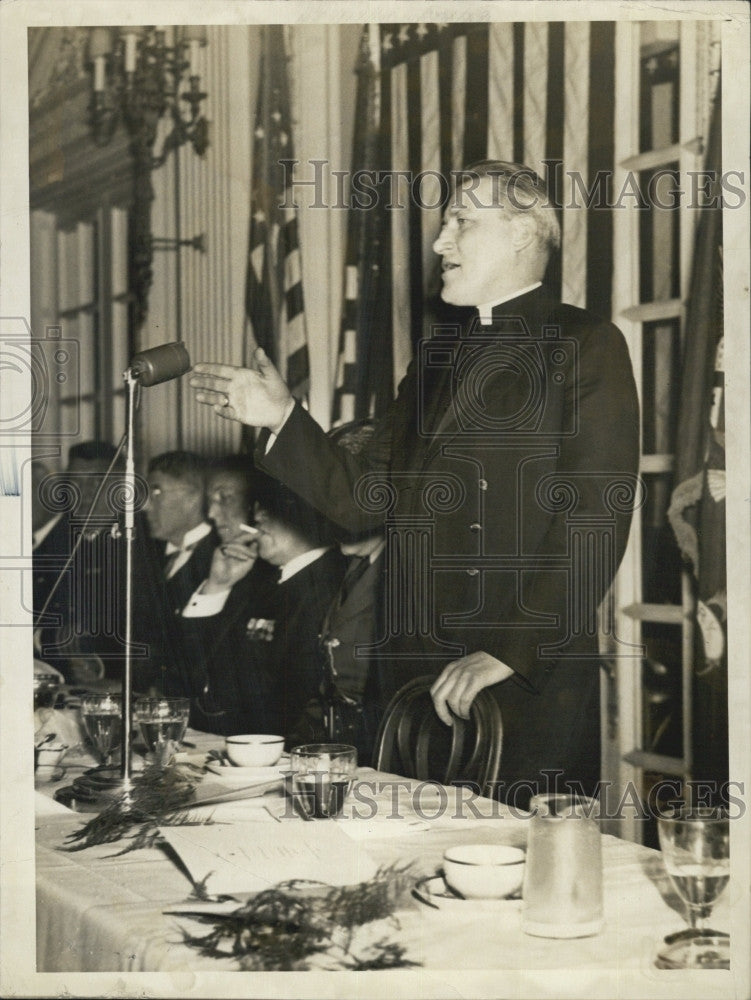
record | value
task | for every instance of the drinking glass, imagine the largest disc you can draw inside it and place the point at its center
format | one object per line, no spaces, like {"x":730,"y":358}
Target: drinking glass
{"x":562,"y":890}
{"x":162,"y":722}
{"x":321,"y":778}
{"x":102,"y":716}
{"x":695,"y":845}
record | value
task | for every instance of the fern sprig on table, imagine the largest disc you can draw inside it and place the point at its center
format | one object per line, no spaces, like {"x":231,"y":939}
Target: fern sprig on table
{"x":300,"y":925}
{"x":159,"y":796}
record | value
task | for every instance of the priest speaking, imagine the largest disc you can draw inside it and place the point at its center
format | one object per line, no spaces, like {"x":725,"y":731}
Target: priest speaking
{"x":508,"y":461}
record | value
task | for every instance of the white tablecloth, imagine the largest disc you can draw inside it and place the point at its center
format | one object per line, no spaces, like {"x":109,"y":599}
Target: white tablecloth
{"x":97,"y":912}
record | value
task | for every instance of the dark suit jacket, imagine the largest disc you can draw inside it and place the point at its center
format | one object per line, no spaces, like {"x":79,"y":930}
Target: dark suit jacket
{"x":86,"y":611}
{"x":505,"y":473}
{"x":352,"y":625}
{"x":158,"y":603}
{"x":254,"y":666}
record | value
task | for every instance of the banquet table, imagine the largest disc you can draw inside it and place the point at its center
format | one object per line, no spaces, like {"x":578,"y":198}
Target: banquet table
{"x":100,"y":913}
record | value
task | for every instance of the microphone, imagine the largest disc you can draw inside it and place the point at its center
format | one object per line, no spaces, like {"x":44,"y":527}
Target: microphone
{"x":160,"y":364}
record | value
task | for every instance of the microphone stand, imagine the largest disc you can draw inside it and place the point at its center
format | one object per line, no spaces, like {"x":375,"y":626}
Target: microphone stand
{"x":130,"y":497}
{"x":158,"y":364}
{"x":87,"y":792}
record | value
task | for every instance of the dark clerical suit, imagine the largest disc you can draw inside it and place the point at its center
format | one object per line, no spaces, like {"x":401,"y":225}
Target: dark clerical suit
{"x":505,"y":472}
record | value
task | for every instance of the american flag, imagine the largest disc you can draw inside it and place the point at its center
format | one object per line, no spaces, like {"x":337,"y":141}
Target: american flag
{"x":433,"y":98}
{"x":274,"y":291}
{"x":364,"y":382}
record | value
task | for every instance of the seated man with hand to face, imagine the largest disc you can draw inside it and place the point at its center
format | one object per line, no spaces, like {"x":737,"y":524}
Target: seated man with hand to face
{"x":225,"y":692}
{"x":298,"y":541}
{"x":254,"y":622}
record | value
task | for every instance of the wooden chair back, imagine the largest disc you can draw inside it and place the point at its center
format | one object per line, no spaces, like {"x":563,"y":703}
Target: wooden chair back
{"x":413,"y":741}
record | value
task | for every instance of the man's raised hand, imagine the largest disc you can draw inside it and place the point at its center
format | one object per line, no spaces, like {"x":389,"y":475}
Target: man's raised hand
{"x":255,"y":396}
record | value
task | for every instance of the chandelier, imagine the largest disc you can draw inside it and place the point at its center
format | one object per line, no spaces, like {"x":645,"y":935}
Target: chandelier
{"x":142,"y":74}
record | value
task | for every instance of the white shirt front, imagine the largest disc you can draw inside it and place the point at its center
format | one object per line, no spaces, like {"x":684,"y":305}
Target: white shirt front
{"x":204,"y":605}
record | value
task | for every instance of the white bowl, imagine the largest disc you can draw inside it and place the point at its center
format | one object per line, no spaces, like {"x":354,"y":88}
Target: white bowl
{"x":484,"y":871}
{"x":254,"y":750}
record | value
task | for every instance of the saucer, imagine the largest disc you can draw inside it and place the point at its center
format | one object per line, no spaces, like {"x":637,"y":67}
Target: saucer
{"x":244,"y":775}
{"x":434,"y":891}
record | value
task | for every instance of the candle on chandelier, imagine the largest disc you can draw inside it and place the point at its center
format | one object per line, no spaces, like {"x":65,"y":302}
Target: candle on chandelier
{"x":100,"y":45}
{"x":131,"y":36}
{"x":195,"y":36}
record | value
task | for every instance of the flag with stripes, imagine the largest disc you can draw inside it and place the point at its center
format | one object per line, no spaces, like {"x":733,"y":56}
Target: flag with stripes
{"x":274,"y":291}
{"x":364,"y":382}
{"x":537,"y":93}
{"x":697,"y":510}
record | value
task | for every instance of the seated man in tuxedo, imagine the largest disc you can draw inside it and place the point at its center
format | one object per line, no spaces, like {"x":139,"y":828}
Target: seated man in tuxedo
{"x":169,"y":562}
{"x":259,"y":635}
{"x":78,"y":564}
{"x":214,"y":674}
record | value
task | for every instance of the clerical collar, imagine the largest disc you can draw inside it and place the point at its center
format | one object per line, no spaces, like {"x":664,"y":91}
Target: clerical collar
{"x":486,"y":311}
{"x":190,"y":538}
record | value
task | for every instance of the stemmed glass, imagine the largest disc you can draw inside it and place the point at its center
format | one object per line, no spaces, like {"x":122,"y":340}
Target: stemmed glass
{"x":102,"y":715}
{"x":695,"y":845}
{"x":162,"y":722}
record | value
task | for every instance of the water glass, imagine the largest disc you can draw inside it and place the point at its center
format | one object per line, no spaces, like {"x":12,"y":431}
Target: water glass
{"x":321,"y":778}
{"x":102,"y":716}
{"x":162,"y":722}
{"x":562,"y":891}
{"x":695,"y":845}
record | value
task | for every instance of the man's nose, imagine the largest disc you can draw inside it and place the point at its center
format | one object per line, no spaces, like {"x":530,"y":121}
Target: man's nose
{"x":442,"y":242}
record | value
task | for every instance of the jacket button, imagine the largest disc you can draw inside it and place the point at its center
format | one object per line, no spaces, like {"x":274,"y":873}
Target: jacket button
{"x":472,"y":571}
{"x":475,"y":526}
{"x":483,"y":484}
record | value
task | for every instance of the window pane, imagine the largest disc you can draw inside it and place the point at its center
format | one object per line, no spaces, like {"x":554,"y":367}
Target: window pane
{"x":661,"y":561}
{"x":659,"y":234}
{"x":659,"y":92}
{"x":662,"y":680}
{"x":661,"y":348}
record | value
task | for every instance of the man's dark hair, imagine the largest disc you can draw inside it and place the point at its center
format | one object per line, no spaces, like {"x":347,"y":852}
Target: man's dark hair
{"x":183,"y":465}
{"x":243,"y":468}
{"x":279,"y":502}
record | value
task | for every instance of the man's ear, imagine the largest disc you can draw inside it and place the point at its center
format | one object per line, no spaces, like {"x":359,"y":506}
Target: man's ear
{"x":523,"y":231}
